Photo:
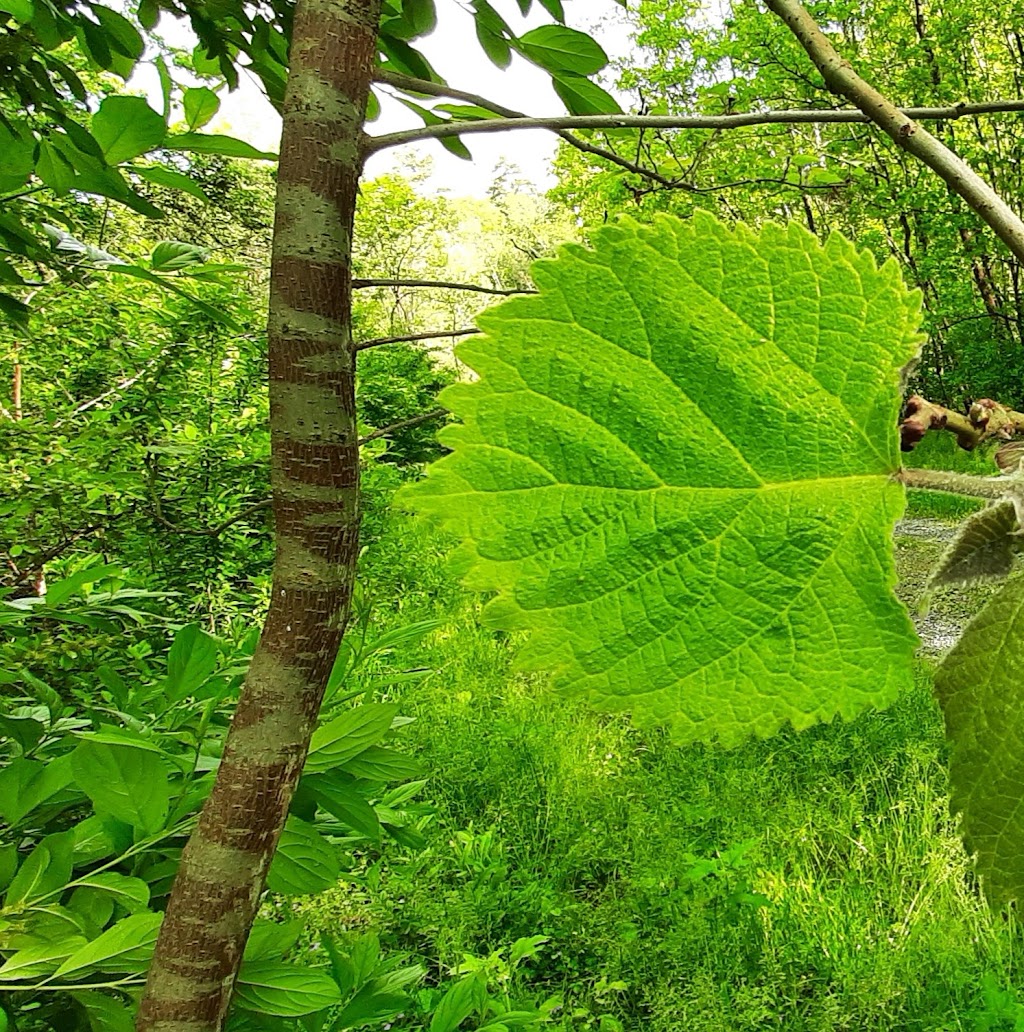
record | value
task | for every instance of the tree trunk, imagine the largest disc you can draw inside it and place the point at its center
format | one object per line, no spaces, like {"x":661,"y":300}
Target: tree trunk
{"x":315,"y":480}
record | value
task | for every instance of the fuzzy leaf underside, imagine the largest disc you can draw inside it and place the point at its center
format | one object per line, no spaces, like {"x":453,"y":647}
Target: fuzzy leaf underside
{"x":674,"y":471}
{"x":980,"y":685}
{"x":983,"y":549}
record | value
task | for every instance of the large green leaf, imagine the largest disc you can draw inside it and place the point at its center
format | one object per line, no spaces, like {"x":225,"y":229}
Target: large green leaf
{"x":980,"y":685}
{"x":286,"y":990}
{"x":675,"y":471}
{"x":126,"y":946}
{"x":126,"y":783}
{"x":126,"y":127}
{"x":305,"y":862}
{"x":561,"y":49}
{"x":345,"y":737}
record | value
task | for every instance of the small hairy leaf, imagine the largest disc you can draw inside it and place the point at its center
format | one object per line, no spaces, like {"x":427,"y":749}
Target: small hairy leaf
{"x":980,"y":685}
{"x":983,"y":550}
{"x":675,"y":471}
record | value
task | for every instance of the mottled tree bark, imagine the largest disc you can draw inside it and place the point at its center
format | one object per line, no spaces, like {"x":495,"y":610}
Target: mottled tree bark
{"x":315,"y":473}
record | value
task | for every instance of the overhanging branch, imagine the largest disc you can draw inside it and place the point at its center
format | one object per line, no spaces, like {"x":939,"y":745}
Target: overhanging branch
{"x":433,"y":89}
{"x":558,"y":123}
{"x":841,"y":78}
{"x":386,"y":431}
{"x":376,"y":342}
{"x":358,"y":284}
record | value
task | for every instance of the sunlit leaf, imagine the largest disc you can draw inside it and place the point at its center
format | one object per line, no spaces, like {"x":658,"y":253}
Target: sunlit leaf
{"x":675,"y":472}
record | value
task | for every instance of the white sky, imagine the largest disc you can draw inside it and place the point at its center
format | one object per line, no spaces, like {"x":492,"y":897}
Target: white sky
{"x":454,"y":51}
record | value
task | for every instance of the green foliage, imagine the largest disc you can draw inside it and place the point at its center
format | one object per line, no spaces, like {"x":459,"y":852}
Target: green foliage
{"x":101,"y":780}
{"x":642,"y":475}
{"x":648,"y":866}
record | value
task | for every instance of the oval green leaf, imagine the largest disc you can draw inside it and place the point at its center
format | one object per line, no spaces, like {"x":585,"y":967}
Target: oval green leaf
{"x":126,"y":127}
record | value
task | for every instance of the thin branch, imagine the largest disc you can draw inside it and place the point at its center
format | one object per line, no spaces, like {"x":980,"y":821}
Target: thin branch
{"x":957,"y":174}
{"x":431,"y":89}
{"x":358,"y":284}
{"x":558,"y":123}
{"x":214,"y":531}
{"x":985,"y":420}
{"x":408,"y":338}
{"x":386,"y":431}
{"x":36,"y":564}
{"x":122,"y":385}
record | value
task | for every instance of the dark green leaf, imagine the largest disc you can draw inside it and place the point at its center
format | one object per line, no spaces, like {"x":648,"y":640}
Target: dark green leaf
{"x":26,"y":784}
{"x":45,"y":871}
{"x":285,"y":990}
{"x":347,"y":736}
{"x":20,"y":10}
{"x":555,"y":9}
{"x":374,"y":1003}
{"x":407,"y":59}
{"x":163,"y":176}
{"x":93,"y":41}
{"x":467,"y":995}
{"x":25,"y":732}
{"x":173,"y":256}
{"x":37,"y":962}
{"x":166,"y":84}
{"x":104,"y":1013}
{"x":137,"y":272}
{"x":583,"y":97}
{"x":14,"y":310}
{"x":561,"y":49}
{"x":421,"y":15}
{"x":53,"y":169}
{"x":378,"y":764}
{"x":124,"y":38}
{"x":228,"y":146}
{"x":271,"y":940}
{"x":305,"y":862}
{"x":148,"y":13}
{"x":337,"y":795}
{"x":126,"y":947}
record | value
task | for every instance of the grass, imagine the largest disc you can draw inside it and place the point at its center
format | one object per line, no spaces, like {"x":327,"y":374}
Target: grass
{"x":810,"y":882}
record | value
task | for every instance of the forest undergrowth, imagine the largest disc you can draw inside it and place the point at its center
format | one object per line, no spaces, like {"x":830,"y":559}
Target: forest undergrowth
{"x":810,"y":882}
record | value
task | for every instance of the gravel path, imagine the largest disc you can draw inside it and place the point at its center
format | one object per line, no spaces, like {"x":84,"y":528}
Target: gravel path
{"x":919,"y":544}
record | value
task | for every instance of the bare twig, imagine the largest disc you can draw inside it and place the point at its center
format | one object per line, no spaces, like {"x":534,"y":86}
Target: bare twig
{"x":985,"y":420}
{"x":35,"y":565}
{"x":386,"y":431}
{"x":358,"y":284}
{"x":901,"y":126}
{"x":121,"y":385}
{"x":213,"y":531}
{"x":410,"y":337}
{"x":558,"y":123}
